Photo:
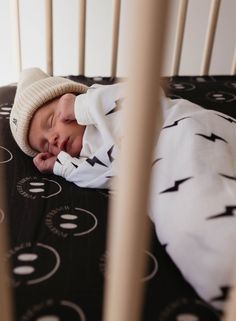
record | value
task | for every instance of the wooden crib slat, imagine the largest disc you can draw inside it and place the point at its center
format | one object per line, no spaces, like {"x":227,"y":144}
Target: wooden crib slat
{"x":49,"y":36}
{"x":230,"y":311}
{"x":127,"y":234}
{"x":115,"y":38}
{"x":6,"y":298}
{"x":15,"y":23}
{"x":182,"y":13}
{"x":233,"y":68}
{"x":210,"y":36}
{"x":82,"y":36}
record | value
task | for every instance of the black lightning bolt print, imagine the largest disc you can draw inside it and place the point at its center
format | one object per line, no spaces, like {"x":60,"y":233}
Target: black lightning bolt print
{"x":224,"y":294}
{"x":227,"y":176}
{"x":212,"y":137}
{"x":95,"y":160}
{"x":164,"y":245}
{"x":175,"y":188}
{"x":175,"y":123}
{"x":229,"y":212}
{"x":76,"y":166}
{"x":117,"y":107}
{"x":109,"y":154}
{"x":58,"y":161}
{"x":231,"y":120}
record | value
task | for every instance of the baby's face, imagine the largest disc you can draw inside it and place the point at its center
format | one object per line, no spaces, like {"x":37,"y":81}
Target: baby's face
{"x":54,"y":128}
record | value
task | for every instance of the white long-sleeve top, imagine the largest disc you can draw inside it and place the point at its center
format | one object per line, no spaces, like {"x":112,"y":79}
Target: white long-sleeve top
{"x":100,"y":110}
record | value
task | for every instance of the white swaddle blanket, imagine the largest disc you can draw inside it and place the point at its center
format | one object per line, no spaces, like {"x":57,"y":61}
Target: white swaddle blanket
{"x":193,"y":199}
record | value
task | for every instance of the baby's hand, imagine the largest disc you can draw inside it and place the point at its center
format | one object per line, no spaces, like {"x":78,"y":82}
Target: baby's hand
{"x":45,"y":162}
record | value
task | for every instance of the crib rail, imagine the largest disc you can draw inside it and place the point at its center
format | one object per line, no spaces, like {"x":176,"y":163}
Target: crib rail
{"x":182,"y":14}
{"x":15,"y":23}
{"x":178,"y":42}
{"x":6,"y":302}
{"x":233,"y":68}
{"x":82,"y":34}
{"x":49,"y":36}
{"x":210,"y":36}
{"x":128,"y":231}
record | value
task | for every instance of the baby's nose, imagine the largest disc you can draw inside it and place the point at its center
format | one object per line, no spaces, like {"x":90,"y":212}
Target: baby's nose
{"x":53,"y":140}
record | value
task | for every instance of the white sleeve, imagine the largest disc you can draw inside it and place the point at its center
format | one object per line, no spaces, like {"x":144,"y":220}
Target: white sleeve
{"x":99,"y":107}
{"x":89,"y":172}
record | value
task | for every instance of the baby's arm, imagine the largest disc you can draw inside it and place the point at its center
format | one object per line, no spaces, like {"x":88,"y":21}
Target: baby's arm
{"x":45,"y":162}
{"x":85,"y":172}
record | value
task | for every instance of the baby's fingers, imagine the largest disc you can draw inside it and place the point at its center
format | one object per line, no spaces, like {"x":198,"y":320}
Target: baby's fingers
{"x":44,"y":162}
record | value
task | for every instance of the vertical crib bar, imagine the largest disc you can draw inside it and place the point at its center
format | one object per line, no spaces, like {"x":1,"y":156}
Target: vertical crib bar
{"x":230,"y":311}
{"x":182,"y":13}
{"x":128,"y":230}
{"x":115,"y":38}
{"x":233,"y":68}
{"x":82,"y":35}
{"x":15,"y":23}
{"x":6,"y":303}
{"x":49,"y":36}
{"x":209,"y":42}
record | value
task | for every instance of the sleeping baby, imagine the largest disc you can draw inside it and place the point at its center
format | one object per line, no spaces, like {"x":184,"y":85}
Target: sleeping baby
{"x":75,"y":132}
{"x":69,"y":129}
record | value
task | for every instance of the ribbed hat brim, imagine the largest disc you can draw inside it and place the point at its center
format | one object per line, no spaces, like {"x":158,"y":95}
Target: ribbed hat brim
{"x":29,"y":99}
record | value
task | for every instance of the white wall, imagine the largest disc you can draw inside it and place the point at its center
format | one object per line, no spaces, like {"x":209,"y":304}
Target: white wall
{"x":98,"y":40}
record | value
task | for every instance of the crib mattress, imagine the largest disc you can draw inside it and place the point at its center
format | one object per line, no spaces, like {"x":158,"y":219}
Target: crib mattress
{"x":58,"y":231}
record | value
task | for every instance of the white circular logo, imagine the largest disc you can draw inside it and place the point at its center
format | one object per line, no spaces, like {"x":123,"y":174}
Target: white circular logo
{"x":181,"y":86}
{"x":52,"y":310}
{"x":151,"y":263}
{"x":5,"y":155}
{"x":28,"y":267}
{"x":220,"y":96}
{"x":5,"y":110}
{"x":230,"y":84}
{"x":37,"y":187}
{"x":200,"y":79}
{"x":65,"y":220}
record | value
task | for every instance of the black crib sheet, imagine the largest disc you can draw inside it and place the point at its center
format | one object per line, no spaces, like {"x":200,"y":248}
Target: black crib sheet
{"x":58,"y":231}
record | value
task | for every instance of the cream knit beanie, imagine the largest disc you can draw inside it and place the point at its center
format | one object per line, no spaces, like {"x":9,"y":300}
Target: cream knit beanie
{"x":34,"y":89}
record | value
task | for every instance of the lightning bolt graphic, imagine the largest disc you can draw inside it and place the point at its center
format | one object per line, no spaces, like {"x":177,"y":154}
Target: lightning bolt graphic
{"x":212,"y":137}
{"x":231,"y":120}
{"x":175,"y":123}
{"x":175,"y":188}
{"x":229,"y":211}
{"x":95,"y":160}
{"x":224,"y":294}
{"x":109,"y":152}
{"x":117,"y":107}
{"x":58,"y":161}
{"x":76,"y":166}
{"x":229,"y":177}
